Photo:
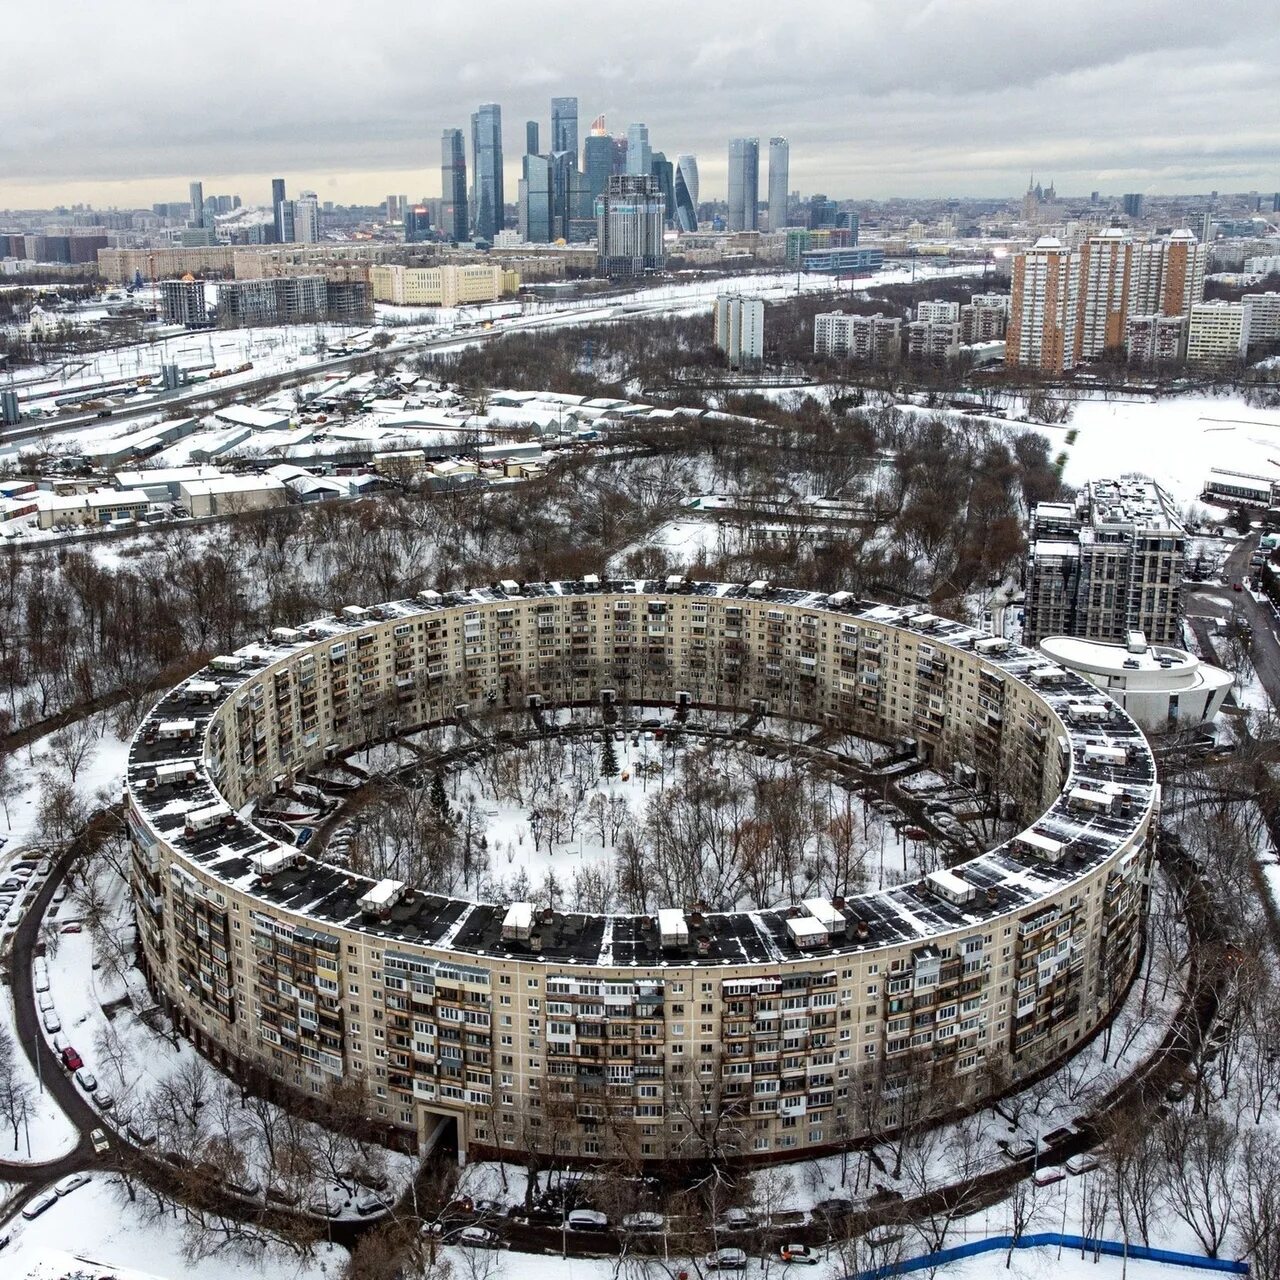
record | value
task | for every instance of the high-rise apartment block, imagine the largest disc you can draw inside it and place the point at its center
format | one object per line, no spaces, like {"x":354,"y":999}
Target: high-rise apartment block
{"x":1155,"y":341}
{"x":182,"y":302}
{"x":1106,"y":564}
{"x":281,"y":300}
{"x":453,"y":185}
{"x":744,"y":184}
{"x":984,"y":317}
{"x":1072,"y":305}
{"x":1218,"y":333}
{"x":936,"y":341}
{"x":306,"y":218}
{"x":630,"y":220}
{"x":739,"y":329}
{"x":779,"y":182}
{"x":877,"y":337}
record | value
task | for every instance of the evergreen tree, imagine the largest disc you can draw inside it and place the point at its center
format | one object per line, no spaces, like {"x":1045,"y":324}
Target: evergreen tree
{"x":439,"y":799}
{"x":608,"y":758}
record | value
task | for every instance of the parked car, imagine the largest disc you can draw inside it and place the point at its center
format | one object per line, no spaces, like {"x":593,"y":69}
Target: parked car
{"x":37,"y":1206}
{"x":798,"y":1255}
{"x":44,"y":1001}
{"x":44,"y":867}
{"x":736,"y":1220}
{"x":1083,"y":1163}
{"x":71,"y":1059}
{"x":104,"y":1098}
{"x":587,"y":1220}
{"x":1021,"y":1150}
{"x":327,"y":1205}
{"x":139,"y":1134}
{"x":60,"y":893}
{"x":74,"y":927}
{"x":245,"y":1186}
{"x":725,"y":1260}
{"x":42,"y":980}
{"x":1048,"y":1174}
{"x":86,"y":1079}
{"x":370,"y":1202}
{"x":281,"y":1195}
{"x":51,"y":1021}
{"x":100,"y":1143}
{"x":67,"y":1185}
{"x":643,"y":1222}
{"x":475,"y":1237}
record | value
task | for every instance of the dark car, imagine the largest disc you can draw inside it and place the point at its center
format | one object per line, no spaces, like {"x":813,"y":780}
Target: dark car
{"x":71,"y":1059}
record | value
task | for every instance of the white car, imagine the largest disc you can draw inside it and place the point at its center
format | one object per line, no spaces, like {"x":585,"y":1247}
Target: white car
{"x":99,"y":1140}
{"x":44,"y":1002}
{"x":370,"y":1202}
{"x":643,"y":1222}
{"x":587,"y":1220}
{"x":86,"y":1079}
{"x":1082,"y":1163}
{"x":68,"y":1184}
{"x":42,"y":981}
{"x":37,"y":1206}
{"x":52,"y":1023}
{"x":104,"y":1098}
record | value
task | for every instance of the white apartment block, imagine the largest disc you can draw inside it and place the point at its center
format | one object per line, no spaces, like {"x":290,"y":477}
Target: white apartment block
{"x":1155,"y":339}
{"x":1264,"y":316}
{"x":941,"y":312}
{"x":876,"y":337}
{"x":1218,"y":333}
{"x":933,"y":340}
{"x":739,"y":328}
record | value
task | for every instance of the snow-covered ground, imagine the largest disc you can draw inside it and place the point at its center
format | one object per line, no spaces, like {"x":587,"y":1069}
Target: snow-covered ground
{"x":44,"y":1133}
{"x":95,"y":1231}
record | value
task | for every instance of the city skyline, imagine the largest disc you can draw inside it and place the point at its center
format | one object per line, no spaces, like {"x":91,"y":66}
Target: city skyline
{"x":1071,"y":92}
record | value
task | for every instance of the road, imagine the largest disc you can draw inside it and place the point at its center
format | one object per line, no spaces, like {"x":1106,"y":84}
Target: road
{"x":1261,"y":615}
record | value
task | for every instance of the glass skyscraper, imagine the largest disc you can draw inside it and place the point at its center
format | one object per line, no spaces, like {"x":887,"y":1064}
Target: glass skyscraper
{"x":486,"y":141}
{"x":686,"y":193}
{"x":779,"y":180}
{"x":744,"y":184}
{"x":639,"y":156}
{"x":453,"y":185}
{"x":564,"y":127}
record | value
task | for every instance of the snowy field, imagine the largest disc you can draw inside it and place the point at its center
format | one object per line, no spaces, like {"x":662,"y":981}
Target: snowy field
{"x":95,"y":1231}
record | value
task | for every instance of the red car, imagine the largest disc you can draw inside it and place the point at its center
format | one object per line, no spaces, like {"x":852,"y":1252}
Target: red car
{"x":1235,"y":586}
{"x":71,"y":1059}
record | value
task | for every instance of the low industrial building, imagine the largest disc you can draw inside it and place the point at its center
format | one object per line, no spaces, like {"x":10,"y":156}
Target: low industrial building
{"x":1159,"y":686}
{"x":231,"y":495}
{"x":102,"y":506}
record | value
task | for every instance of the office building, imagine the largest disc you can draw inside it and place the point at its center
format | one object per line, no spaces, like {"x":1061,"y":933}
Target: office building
{"x":277,"y":209}
{"x":630,"y":219}
{"x":1106,"y":564}
{"x":1218,"y":334}
{"x":1155,"y":341}
{"x":564,"y":127}
{"x":183,"y":302}
{"x":454,"y":222}
{"x":489,"y":215}
{"x":779,"y":182}
{"x":739,"y":329}
{"x":531,"y":147}
{"x":839,"y":260}
{"x":967,"y":981}
{"x":686,"y":193}
{"x":664,"y":171}
{"x":1043,"y":308}
{"x":744,"y":184}
{"x":1133,"y":204}
{"x":639,"y":154}
{"x":197,"y":204}
{"x":417,"y":224}
{"x":535,"y":200}
{"x":450,"y":285}
{"x":597,"y":159}
{"x":391,"y":209}
{"x":874,"y":338}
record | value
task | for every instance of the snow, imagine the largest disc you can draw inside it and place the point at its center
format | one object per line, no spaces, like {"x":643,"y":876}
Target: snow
{"x":49,"y":1132}
{"x":104,"y":1229}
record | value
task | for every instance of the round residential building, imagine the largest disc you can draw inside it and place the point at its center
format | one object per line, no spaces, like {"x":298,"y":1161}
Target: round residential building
{"x":681,"y":1032}
{"x":1159,"y":686}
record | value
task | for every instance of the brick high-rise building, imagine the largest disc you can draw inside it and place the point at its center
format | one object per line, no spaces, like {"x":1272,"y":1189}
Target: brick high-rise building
{"x":1043,"y":308}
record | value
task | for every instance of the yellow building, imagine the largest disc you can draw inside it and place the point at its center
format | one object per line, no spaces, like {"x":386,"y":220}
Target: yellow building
{"x":446,"y":286}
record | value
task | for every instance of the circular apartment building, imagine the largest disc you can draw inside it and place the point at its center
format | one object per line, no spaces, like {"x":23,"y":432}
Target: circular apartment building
{"x":685,"y":1034}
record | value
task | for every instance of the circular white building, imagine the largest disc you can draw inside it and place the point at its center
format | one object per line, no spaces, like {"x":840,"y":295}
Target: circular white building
{"x":1159,"y":686}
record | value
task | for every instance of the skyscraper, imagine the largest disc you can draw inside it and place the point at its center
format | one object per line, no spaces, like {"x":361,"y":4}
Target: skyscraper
{"x":486,"y":134}
{"x":744,"y":184}
{"x":664,"y":171}
{"x":534,"y":202}
{"x":779,"y":182}
{"x":417,"y":223}
{"x":306,"y":218}
{"x":564,"y":127}
{"x":639,"y":156}
{"x":597,"y":158}
{"x":197,"y":204}
{"x":531,"y":137}
{"x":453,"y":185}
{"x":277,"y":203}
{"x":1043,"y":300}
{"x":686,"y":193}
{"x":629,"y":226}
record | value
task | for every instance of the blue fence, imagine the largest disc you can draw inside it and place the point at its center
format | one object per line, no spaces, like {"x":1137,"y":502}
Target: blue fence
{"x":1112,"y":1248}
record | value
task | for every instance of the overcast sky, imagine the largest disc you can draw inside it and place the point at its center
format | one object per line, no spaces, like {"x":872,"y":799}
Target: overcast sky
{"x":125,"y":101}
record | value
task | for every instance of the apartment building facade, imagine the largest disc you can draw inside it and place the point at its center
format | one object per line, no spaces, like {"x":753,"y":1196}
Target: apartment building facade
{"x":1105,"y":565}
{"x":678,"y":1035}
{"x":875,"y":337}
{"x":448,"y":285}
{"x":1218,"y":334}
{"x":738,"y":329}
